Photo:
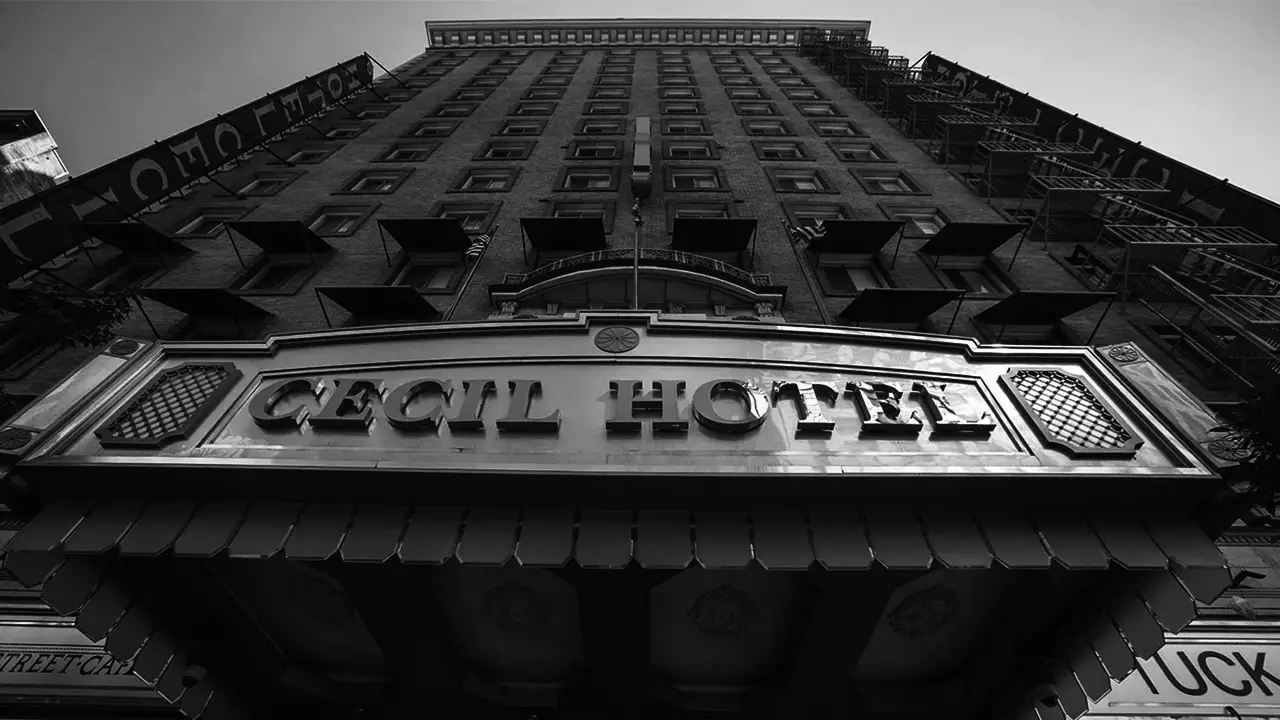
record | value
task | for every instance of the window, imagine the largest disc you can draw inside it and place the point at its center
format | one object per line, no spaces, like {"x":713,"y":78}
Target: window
{"x":818,"y":110}
{"x":551,"y":81}
{"x":485,"y":180}
{"x":673,"y":60}
{"x":599,"y":127}
{"x":799,"y":180}
{"x":617,"y":74}
{"x":781,"y":150}
{"x":849,"y":278}
{"x":566,"y":60}
{"x":397,"y":96}
{"x":920,"y":221}
{"x":610,"y":93}
{"x":470,"y":95}
{"x":420,"y":82}
{"x":755,"y":108}
{"x":267,"y":184}
{"x":982,"y":280}
{"x":746,"y":94}
{"x":738,"y":80}
{"x":568,"y":52}
{"x":434,"y":129}
{"x":802,"y":94}
{"x":667,"y":53}
{"x":588,"y":178}
{"x":380,"y":182}
{"x":689,"y":149}
{"x":473,"y":217}
{"x":770,"y":60}
{"x":859,"y":152}
{"x":731,"y":70}
{"x":622,"y":52}
{"x":339,"y":221}
{"x":602,"y":209}
{"x":498,"y":70}
{"x":208,"y":221}
{"x":134,"y":273}
{"x":310,"y":156}
{"x":375,"y":112}
{"x":345,"y":132}
{"x":676,"y":81}
{"x":694,"y":179}
{"x":507,"y":61}
{"x":780,"y":70}
{"x":559,"y":70}
{"x":427,"y":275}
{"x":623,"y":61}
{"x":454,"y":110}
{"x":448,"y":62}
{"x":521,"y":127}
{"x":683,"y":108}
{"x":696,"y":210}
{"x":484,"y":82}
{"x":766,"y":127}
{"x":606,"y":108}
{"x":434,"y":71}
{"x":277,"y":275}
{"x":408,"y":152}
{"x":534,"y":108}
{"x":590,"y":149}
{"x":840,"y":128}
{"x":678,"y":93}
{"x":725,"y":60}
{"x":685,"y":127}
{"x":886,"y":182}
{"x":809,"y":213}
{"x":674,"y":70}
{"x":506,"y":150}
{"x":793,"y":81}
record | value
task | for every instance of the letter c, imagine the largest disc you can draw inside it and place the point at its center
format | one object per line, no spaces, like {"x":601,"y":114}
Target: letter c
{"x":1203,"y":661}
{"x":142,"y":166}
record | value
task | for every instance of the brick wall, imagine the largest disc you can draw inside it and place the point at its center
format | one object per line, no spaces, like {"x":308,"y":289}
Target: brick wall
{"x":360,"y":259}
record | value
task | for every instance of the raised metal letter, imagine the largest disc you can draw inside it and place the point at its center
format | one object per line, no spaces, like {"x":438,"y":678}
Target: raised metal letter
{"x":261,"y":405}
{"x":951,"y":412}
{"x":398,"y":401}
{"x":348,"y":407}
{"x":881,"y":407}
{"x":468,"y":417}
{"x":517,"y":419}
{"x":662,"y":398}
{"x":808,"y":406}
{"x":754,"y":402}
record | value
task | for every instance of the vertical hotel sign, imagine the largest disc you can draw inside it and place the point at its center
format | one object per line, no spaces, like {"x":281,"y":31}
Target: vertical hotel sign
{"x":35,"y":230}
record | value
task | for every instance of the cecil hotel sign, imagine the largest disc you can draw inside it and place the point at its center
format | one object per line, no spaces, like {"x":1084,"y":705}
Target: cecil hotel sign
{"x":951,"y":407}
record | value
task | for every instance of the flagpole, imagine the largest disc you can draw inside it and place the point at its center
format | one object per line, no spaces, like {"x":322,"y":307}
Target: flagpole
{"x":470,"y":272}
{"x":635,"y":257}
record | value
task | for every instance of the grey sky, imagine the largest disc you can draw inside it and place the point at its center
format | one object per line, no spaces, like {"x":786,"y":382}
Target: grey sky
{"x":1194,"y":80}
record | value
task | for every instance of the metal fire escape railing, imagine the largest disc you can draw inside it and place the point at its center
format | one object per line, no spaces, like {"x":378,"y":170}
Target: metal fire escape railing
{"x":924,"y":109}
{"x":1073,"y":198}
{"x":1003,"y":161}
{"x":956,"y":135}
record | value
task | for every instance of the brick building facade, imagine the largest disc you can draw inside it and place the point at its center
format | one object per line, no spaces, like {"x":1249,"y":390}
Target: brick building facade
{"x":463,"y":187}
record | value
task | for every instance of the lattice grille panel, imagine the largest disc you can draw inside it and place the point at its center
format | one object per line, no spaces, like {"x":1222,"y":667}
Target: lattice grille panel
{"x":170,"y":406}
{"x":1069,"y":413}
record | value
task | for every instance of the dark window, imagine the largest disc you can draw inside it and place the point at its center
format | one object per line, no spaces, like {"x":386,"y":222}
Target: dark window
{"x":755,"y":108}
{"x":689,"y":149}
{"x":859,"y":152}
{"x":428,"y":276}
{"x":610,"y":93}
{"x":551,"y":81}
{"x":376,"y":182}
{"x":434,"y":128}
{"x":836,"y":128}
{"x":208,"y":221}
{"x":584,"y":149}
{"x":798,"y":180}
{"x":685,"y":127}
{"x":781,"y":150}
{"x":678,"y":93}
{"x":675,"y":80}
{"x":586,"y":179}
{"x":473,"y":217}
{"x":807,"y":213}
{"x":521,"y":127}
{"x":818,"y":109}
{"x":886,"y":182}
{"x":606,"y":108}
{"x":766,"y":127}
{"x":506,"y":150}
{"x":599,"y":127}
{"x":746,"y":94}
{"x":408,"y":152}
{"x":339,"y":221}
{"x":484,"y":179}
{"x":534,"y":108}
{"x":602,"y":209}
{"x":454,"y":110}
{"x":682,"y":178}
{"x":470,"y":95}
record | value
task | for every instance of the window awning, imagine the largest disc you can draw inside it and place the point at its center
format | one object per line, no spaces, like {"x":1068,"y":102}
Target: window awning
{"x":898,"y":305}
{"x":855,"y":237}
{"x":381,"y":302}
{"x":971,"y":238}
{"x":1041,"y":307}
{"x":133,"y":238}
{"x":563,"y":234}
{"x":712,"y":234}
{"x":425,"y":235}
{"x":281,"y":237}
{"x":205,"y":302}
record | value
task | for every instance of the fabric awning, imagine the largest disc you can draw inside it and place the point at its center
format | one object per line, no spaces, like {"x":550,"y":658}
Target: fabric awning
{"x":856,"y":237}
{"x":898,"y":305}
{"x":564,"y":234}
{"x":423,"y":235}
{"x":381,"y":301}
{"x":777,"y":539}
{"x":712,"y":234}
{"x":971,"y":238}
{"x":133,"y":238}
{"x":1041,"y":307}
{"x":205,"y":302}
{"x":281,"y":237}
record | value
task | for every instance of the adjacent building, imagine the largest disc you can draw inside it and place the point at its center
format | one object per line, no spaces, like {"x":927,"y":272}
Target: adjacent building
{"x":29,"y":161}
{"x":646,"y":368}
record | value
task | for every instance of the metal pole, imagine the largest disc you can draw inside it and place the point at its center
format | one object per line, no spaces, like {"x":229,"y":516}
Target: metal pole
{"x":322,"y":310}
{"x":1195,"y":197}
{"x":340,"y":101}
{"x":265,"y":146}
{"x":368,"y":87}
{"x":922,"y":59}
{"x":386,"y":252}
{"x":232,"y":240}
{"x":956,"y":314}
{"x":145,"y":316}
{"x":635,"y":257}
{"x":385,"y":70}
{"x":1105,"y":310}
{"x":493,"y":234}
{"x":808,"y":277}
{"x":212,"y":179}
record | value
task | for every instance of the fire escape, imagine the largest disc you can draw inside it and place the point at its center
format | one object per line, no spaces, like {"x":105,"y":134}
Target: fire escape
{"x":1213,"y":292}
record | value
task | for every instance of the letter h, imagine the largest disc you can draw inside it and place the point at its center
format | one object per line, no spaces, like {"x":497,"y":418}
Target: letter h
{"x":661,"y":399}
